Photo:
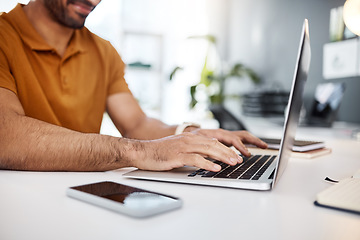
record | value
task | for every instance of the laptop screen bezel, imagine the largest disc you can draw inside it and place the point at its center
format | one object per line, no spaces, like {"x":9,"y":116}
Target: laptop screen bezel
{"x":295,"y":102}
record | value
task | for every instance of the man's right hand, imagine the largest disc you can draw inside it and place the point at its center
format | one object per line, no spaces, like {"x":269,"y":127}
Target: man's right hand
{"x":177,"y":151}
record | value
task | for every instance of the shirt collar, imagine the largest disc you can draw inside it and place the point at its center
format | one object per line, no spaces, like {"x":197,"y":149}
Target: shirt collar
{"x":32,"y":38}
{"x":76,"y":44}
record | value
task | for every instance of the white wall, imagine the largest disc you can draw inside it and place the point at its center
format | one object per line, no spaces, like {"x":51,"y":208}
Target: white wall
{"x":7,"y":5}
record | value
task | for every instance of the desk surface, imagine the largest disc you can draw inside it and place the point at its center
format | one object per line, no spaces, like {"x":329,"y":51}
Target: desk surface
{"x":33,"y":205}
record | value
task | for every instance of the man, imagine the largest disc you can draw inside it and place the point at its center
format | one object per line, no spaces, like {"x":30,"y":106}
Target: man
{"x":57,"y":79}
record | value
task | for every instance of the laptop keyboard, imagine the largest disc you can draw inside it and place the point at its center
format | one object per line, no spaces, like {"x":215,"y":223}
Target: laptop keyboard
{"x":251,"y":168}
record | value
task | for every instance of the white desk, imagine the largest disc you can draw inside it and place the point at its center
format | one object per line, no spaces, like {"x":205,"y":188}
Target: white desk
{"x":33,"y":205}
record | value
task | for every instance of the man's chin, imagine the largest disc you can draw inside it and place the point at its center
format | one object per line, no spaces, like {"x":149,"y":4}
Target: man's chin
{"x":75,"y":24}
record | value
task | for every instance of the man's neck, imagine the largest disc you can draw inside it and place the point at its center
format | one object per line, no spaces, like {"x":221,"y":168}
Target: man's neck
{"x":54,"y":33}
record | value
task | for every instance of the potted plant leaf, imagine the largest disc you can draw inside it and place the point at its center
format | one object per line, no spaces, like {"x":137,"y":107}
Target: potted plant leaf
{"x":213,"y":82}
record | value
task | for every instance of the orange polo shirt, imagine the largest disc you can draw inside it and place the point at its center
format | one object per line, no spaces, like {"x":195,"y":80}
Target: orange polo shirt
{"x":68,"y":91}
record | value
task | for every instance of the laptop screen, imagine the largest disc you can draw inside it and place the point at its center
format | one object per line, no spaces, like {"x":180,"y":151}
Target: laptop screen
{"x":295,"y":102}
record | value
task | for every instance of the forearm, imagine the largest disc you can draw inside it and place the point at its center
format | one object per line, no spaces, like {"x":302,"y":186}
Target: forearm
{"x":29,"y":144}
{"x":150,"y":128}
{"x":132,"y":122}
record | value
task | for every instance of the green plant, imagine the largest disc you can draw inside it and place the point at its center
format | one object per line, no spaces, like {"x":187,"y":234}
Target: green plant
{"x":209,"y":77}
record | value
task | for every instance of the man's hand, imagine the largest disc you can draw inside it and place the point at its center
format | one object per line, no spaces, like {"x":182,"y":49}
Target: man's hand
{"x":179,"y":150}
{"x":159,"y":150}
{"x":232,"y":138}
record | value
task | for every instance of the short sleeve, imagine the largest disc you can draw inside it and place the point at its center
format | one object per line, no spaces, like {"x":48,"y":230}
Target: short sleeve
{"x":117,"y":81}
{"x":6,"y":78}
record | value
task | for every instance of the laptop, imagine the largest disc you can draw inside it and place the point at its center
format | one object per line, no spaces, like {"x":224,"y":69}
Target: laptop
{"x":258,"y":172}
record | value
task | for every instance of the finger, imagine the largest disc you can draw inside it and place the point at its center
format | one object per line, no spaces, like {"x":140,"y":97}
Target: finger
{"x":239,"y":145}
{"x":234,"y":139}
{"x":251,"y":139}
{"x":229,"y":137}
{"x":238,"y":138}
{"x":196,"y":160}
{"x":210,"y":147}
{"x":214,"y":149}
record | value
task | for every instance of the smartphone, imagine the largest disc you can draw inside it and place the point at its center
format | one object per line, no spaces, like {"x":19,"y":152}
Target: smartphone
{"x":131,"y":201}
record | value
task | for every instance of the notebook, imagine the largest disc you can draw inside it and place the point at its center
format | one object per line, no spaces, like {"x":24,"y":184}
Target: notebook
{"x":344,"y":195}
{"x":299,"y":145}
{"x":270,"y":167}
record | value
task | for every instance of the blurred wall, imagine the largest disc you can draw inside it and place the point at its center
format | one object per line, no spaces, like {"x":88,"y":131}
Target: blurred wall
{"x":265,"y":34}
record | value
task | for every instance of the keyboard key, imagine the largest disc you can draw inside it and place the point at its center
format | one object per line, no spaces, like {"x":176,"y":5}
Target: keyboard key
{"x":209,"y":174}
{"x":263,"y":168}
{"x":251,"y":168}
{"x":244,"y":166}
{"x":197,"y":172}
{"x":226,"y":171}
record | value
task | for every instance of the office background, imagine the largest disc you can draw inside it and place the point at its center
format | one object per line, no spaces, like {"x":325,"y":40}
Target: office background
{"x":261,"y":34}
{"x":265,"y":34}
{"x":273,"y":53}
